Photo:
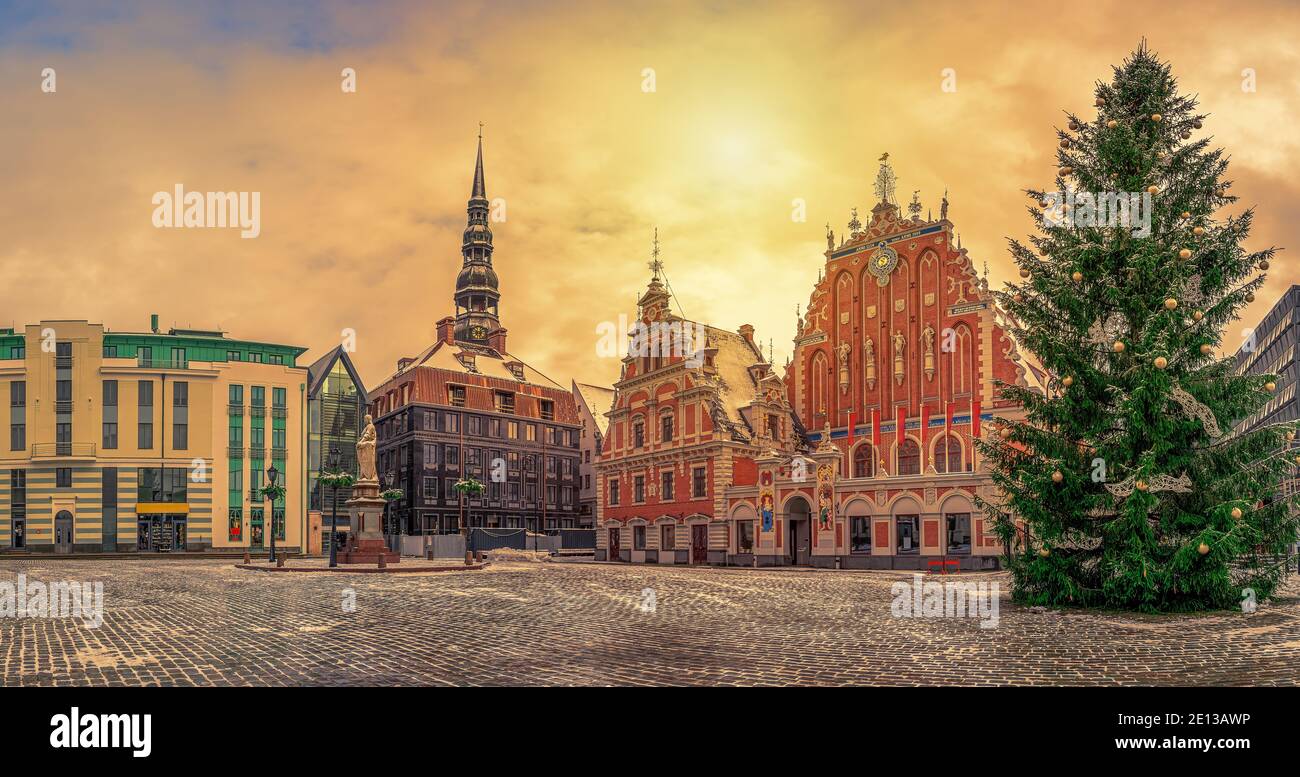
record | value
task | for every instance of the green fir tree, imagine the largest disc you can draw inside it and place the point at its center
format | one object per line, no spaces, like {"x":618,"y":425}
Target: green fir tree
{"x":1134,"y":489}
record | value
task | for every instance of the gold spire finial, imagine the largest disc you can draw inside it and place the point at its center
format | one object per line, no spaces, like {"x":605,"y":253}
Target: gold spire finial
{"x":655,"y":265}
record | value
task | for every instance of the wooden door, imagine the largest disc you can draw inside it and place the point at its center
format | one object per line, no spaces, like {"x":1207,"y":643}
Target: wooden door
{"x":615,"y":553}
{"x":700,"y":543}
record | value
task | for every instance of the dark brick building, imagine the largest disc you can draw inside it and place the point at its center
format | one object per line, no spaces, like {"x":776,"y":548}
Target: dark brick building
{"x":467,"y":407}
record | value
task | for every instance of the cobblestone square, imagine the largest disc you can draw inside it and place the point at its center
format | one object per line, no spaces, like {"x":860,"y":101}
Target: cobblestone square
{"x":204,"y":622}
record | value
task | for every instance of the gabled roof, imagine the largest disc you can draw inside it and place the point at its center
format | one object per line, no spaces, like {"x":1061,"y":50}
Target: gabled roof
{"x":599,"y":400}
{"x":320,"y":369}
{"x":486,"y":361}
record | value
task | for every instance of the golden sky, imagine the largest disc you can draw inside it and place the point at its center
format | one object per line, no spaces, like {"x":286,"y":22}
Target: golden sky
{"x":755,"y":105}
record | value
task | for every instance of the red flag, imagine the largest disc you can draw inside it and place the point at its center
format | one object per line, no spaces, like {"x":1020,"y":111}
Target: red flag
{"x":925,"y":422}
{"x":902,"y":424}
{"x":875,"y":429}
{"x":853,"y":420}
{"x":947,"y":421}
{"x":975,"y":418}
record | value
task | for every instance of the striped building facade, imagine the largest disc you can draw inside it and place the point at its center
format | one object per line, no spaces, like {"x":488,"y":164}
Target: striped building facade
{"x":147,"y":442}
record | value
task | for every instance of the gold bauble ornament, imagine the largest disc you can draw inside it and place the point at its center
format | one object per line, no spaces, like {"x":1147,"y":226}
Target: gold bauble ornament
{"x":1140,"y":485}
{"x":1236,"y":513}
{"x":1187,"y":215}
{"x":1044,"y":552}
{"x":1198,"y":231}
{"x":1100,"y":102}
{"x":1202,"y":548}
{"x":1198,"y":315}
{"x":1250,"y":296}
{"x":1197,"y":124}
{"x":1161,"y":362}
{"x":1005,"y":433}
{"x":1263,"y":264}
{"x":1186,"y":134}
{"x":1205,"y":348}
{"x":1024,"y":272}
{"x":1065,"y":143}
{"x":1112,"y":124}
{"x":1290,"y":436}
{"x":1270,"y":387}
{"x":1077,"y":276}
{"x":1186,"y":253}
{"x":1171,"y":303}
{"x":1074,"y":125}
{"x":1156,"y":117}
{"x":1018,"y":297}
{"x":1067,"y":381}
{"x":1057,"y":477}
{"x":1153,"y":189}
{"x":1118,"y":346}
{"x":1220,"y":193}
{"x":1064,"y":171}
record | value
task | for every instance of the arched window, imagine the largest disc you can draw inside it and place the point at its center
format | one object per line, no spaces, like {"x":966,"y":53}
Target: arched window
{"x":947,"y":455}
{"x":909,"y":458}
{"x":666,"y":427}
{"x":864,"y":461}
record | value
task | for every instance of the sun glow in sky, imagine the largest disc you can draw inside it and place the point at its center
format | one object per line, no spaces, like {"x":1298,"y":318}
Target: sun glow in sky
{"x":755,"y":107}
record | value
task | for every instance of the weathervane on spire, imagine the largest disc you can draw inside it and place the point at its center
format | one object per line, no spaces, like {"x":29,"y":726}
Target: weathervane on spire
{"x":655,"y":265}
{"x":885,"y":180}
{"x":480,"y":130}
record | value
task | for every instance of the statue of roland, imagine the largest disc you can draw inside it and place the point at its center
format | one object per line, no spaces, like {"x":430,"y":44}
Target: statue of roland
{"x":366,"y":452}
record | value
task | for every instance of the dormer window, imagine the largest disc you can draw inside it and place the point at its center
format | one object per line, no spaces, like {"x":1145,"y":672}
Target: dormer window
{"x":504,"y":401}
{"x":547,"y":410}
{"x":456,"y":396}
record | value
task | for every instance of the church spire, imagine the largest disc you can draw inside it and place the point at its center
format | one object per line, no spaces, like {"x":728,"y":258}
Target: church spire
{"x":480,"y":188}
{"x":476,"y":285}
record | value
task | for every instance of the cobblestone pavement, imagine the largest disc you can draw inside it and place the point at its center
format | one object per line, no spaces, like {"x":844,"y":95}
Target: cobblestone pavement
{"x":203,"y":622}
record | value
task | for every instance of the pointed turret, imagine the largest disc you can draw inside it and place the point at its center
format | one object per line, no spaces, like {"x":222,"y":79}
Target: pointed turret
{"x":477,"y":297}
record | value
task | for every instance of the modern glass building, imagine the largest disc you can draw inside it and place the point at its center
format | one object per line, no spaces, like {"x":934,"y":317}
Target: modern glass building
{"x":1270,"y":348}
{"x":336,"y":409}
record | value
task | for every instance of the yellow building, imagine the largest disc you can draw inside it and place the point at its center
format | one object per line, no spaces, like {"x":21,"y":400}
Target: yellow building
{"x":148,"y":442}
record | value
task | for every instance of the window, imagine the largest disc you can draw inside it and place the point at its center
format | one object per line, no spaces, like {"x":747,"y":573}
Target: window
{"x":144,"y":429}
{"x":18,"y":352}
{"x":864,"y":461}
{"x":613,"y":492}
{"x":860,"y":534}
{"x":255,"y":358}
{"x":666,"y":427}
{"x":258,"y":396}
{"x":909,"y":458}
{"x":279,"y":397}
{"x":162,"y":484}
{"x":638,"y":489}
{"x":236,"y":395}
{"x":638,"y":434}
{"x":513,"y":430}
{"x":18,"y":415}
{"x":909,"y":534}
{"x":666,"y":490}
{"x":667,"y":536}
{"x":947,"y":455}
{"x":456,"y":396}
{"x":504,"y":401}
{"x":432,"y":490}
{"x":180,"y":415}
{"x":276,"y":358}
{"x":699,"y":485}
{"x":63,"y":477}
{"x":450,"y":422}
{"x":773,"y":426}
{"x":958,"y":532}
{"x":638,"y":538}
{"x":548,"y":410}
{"x":110,"y":414}
{"x":232,"y":356}
{"x":235,"y":530}
{"x":744,"y":536}
{"x":110,"y":352}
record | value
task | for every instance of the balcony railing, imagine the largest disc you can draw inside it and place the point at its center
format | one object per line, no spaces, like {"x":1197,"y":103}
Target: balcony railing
{"x":49,"y":450}
{"x":63,"y":406}
{"x":235,"y":452}
{"x":162,"y":364}
{"x":279,"y":412}
{"x":278,"y":453}
{"x":62,"y":361}
{"x":258,"y":411}
{"x":236,"y":410}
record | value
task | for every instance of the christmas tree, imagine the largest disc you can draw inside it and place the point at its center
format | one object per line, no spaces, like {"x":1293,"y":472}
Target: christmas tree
{"x":1133,"y":489}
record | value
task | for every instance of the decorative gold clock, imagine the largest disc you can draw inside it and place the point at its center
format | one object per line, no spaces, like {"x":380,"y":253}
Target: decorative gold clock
{"x":478,"y":332}
{"x":883,"y":262}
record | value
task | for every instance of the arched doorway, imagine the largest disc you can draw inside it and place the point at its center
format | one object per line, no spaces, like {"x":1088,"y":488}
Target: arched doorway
{"x":63,"y":532}
{"x":798,"y":531}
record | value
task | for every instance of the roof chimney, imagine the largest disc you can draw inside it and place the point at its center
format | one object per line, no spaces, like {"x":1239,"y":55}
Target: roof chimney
{"x":446,"y":329}
{"x":747,"y":331}
{"x":497,"y":340}
{"x":153,"y":323}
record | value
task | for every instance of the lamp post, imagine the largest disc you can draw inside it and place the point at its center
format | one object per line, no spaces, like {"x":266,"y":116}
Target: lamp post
{"x":389,"y":477}
{"x":271,"y":474}
{"x":334,"y":511}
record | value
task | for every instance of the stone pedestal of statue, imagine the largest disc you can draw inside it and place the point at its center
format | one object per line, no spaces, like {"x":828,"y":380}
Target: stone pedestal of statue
{"x":366,"y":539}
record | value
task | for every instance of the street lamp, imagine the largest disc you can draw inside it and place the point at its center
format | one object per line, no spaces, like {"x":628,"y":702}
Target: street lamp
{"x":389,"y":477}
{"x":271,"y":474}
{"x":334,"y":511}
